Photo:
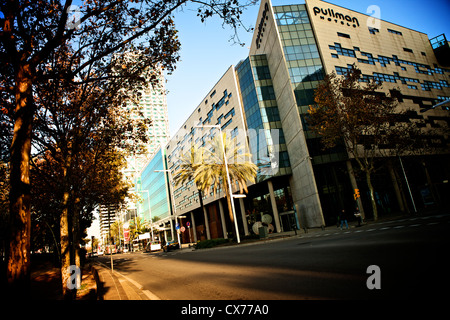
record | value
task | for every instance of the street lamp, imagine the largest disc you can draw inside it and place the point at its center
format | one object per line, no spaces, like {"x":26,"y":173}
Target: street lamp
{"x":173,"y":201}
{"x":228,"y":178}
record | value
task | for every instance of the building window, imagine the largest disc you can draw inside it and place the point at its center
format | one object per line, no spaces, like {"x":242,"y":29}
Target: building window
{"x":292,"y":17}
{"x":407,"y":50}
{"x":342,"y":51}
{"x":394,"y":32}
{"x":343,"y":35}
{"x":341,"y":70}
{"x":373,"y":30}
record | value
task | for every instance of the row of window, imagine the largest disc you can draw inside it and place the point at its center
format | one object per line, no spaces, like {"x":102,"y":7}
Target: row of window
{"x":383,"y":60}
{"x":382,"y":77}
{"x":342,"y":51}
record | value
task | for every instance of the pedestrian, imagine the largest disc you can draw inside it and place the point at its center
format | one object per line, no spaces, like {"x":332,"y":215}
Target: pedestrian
{"x":358,"y":216}
{"x":343,"y":218}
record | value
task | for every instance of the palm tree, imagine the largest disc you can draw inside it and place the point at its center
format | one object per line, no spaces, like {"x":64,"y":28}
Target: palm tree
{"x":189,"y":162}
{"x":212,"y":172}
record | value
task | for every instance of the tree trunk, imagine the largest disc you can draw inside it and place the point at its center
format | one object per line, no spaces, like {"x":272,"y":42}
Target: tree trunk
{"x":76,"y":238}
{"x":65,"y":247}
{"x":65,"y":232}
{"x":395,"y":184}
{"x":372,"y":196}
{"x":18,"y":255}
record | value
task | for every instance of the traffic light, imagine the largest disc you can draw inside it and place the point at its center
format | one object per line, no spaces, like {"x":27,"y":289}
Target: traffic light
{"x":356,"y":195}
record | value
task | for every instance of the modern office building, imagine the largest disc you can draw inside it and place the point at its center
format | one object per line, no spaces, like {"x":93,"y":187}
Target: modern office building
{"x":264,"y":101}
{"x":221,"y":107}
{"x":153,"y":189}
{"x":302,"y":43}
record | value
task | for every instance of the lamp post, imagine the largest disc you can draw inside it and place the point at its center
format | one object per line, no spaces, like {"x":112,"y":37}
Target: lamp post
{"x":407,"y":184}
{"x":228,"y":179}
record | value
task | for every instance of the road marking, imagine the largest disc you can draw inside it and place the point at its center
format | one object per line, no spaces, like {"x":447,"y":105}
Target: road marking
{"x":385,"y":228}
{"x":151,"y":295}
{"x":399,"y":227}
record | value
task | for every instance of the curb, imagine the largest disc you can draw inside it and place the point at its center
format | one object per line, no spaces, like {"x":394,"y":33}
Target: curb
{"x":130,"y":284}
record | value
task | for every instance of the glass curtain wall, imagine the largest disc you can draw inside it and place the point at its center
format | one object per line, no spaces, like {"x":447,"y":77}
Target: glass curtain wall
{"x":266,"y":138}
{"x":155,"y":204}
{"x":305,"y":71}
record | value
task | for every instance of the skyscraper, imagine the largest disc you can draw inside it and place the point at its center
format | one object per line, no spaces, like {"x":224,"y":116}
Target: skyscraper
{"x":152,"y":105}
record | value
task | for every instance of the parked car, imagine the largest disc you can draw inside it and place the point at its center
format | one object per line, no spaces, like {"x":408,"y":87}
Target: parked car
{"x":154,"y":246}
{"x":171,"y":245}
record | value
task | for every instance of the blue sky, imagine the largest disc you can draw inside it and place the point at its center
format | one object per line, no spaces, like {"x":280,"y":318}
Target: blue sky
{"x":206,"y":52}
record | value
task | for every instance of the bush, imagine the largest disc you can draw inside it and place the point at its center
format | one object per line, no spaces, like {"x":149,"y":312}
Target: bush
{"x":210,"y":243}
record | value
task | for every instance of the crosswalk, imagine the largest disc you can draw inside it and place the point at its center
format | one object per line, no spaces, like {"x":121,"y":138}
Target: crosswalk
{"x":384,"y":226}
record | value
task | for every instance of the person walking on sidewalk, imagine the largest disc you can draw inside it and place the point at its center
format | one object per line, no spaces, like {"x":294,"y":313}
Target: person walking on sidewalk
{"x":358,"y":216}
{"x":343,"y":218}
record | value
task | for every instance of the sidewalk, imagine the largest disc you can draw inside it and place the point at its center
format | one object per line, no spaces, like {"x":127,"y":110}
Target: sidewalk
{"x":115,"y":286}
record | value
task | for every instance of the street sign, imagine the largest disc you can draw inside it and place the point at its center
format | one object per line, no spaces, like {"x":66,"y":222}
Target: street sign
{"x":183,"y":229}
{"x":177,"y":226}
{"x":188,"y":224}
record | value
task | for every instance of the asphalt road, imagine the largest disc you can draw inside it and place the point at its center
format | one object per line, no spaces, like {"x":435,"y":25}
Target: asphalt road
{"x":410,"y":254}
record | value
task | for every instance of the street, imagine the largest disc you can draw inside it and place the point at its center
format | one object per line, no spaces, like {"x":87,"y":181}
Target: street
{"x":408,"y":259}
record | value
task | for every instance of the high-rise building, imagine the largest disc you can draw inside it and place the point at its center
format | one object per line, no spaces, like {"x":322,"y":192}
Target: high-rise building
{"x":107,"y":216}
{"x":264,"y":102}
{"x":152,"y":105}
{"x":302,"y":43}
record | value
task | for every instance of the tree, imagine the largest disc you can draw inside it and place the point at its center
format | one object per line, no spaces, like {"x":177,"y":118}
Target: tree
{"x":32,"y":31}
{"x":354,"y":112}
{"x":117,"y":231}
{"x":188,"y":164}
{"x":137,"y":227}
{"x":79,"y":129}
{"x":211,"y":172}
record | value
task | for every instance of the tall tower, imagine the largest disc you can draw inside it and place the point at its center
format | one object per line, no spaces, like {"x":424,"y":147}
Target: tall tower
{"x":152,"y":105}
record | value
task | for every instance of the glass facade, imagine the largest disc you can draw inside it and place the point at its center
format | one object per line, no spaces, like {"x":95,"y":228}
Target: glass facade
{"x":266,"y":138}
{"x":153,"y":190}
{"x":305,"y":71}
